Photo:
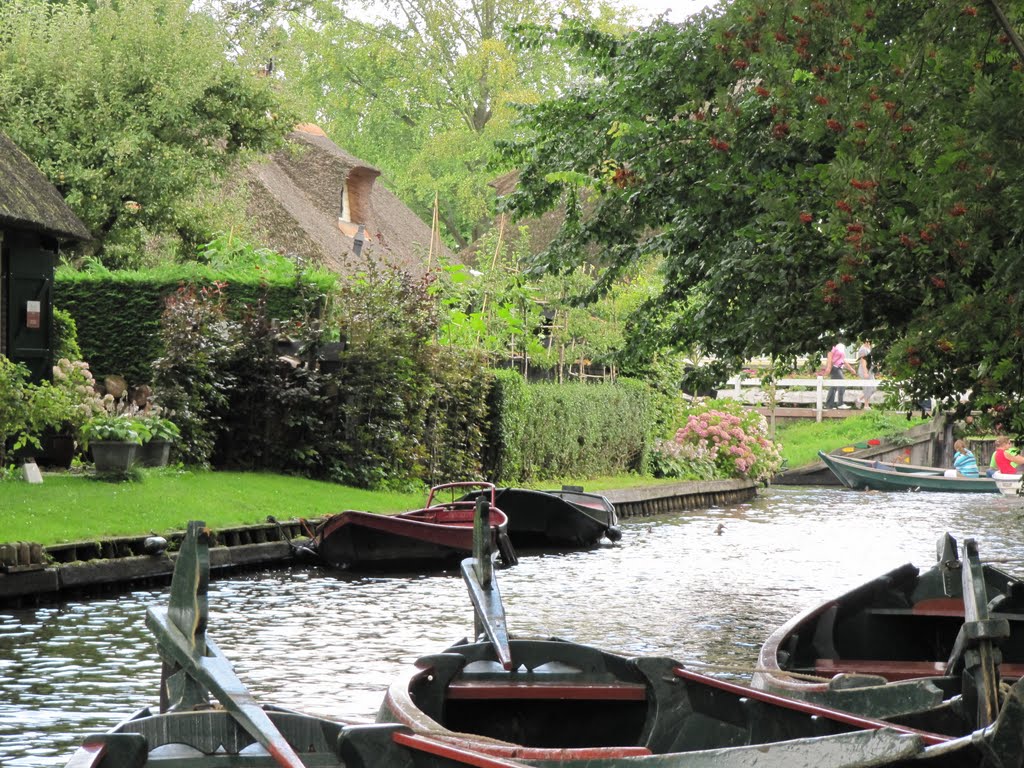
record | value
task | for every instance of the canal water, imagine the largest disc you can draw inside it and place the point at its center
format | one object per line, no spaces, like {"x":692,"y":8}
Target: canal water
{"x":330,"y":643}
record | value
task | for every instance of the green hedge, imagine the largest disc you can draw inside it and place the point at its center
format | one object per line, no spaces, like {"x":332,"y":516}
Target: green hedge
{"x":118,"y":313}
{"x":550,"y":431}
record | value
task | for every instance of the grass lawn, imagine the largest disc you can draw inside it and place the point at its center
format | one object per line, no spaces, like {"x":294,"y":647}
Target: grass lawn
{"x":74,"y":507}
{"x":802,"y":440}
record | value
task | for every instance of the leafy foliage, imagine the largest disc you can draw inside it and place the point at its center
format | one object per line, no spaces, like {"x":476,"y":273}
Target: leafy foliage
{"x":725,"y":438}
{"x":802,"y":167}
{"x":131,"y":108}
{"x":423,"y":89}
{"x":584,"y":430}
{"x":193,"y":378}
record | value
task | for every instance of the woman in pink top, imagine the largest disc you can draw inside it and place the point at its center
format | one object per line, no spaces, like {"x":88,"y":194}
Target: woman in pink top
{"x":834,"y":365}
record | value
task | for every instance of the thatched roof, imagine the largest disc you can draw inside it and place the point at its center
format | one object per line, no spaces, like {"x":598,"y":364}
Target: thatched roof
{"x":295,"y":202}
{"x":29,"y":201}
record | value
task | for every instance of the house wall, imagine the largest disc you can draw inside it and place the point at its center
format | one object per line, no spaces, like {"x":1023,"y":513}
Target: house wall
{"x":26,"y":275}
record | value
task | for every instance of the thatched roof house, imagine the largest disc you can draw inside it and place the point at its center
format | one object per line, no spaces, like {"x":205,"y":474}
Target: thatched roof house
{"x":311,"y":198}
{"x":28,"y":201}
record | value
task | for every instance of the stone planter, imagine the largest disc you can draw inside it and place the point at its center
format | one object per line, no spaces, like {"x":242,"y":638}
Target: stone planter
{"x":113,"y":455}
{"x":155,"y":453}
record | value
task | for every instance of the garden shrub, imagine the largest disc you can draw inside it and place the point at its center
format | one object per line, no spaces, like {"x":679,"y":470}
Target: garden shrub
{"x":508,"y":403}
{"x":584,"y":430}
{"x":65,"y":336}
{"x":723,"y":436}
{"x":193,"y":379}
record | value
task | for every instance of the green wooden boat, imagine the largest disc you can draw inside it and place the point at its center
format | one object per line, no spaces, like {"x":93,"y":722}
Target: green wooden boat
{"x":909,"y":643}
{"x":550,"y":701}
{"x":866,"y":474}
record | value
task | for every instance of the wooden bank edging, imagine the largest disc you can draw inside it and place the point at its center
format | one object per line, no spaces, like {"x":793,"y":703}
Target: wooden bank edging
{"x":679,"y":497}
{"x":31,"y":574}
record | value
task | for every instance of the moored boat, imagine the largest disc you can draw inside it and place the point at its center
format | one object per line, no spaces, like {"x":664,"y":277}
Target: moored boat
{"x":189,"y":731}
{"x":550,"y":519}
{"x":867,"y":474}
{"x":437,"y":536}
{"x":906,"y":642}
{"x":551,"y":701}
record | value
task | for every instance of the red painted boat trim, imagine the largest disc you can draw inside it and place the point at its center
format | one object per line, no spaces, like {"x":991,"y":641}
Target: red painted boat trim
{"x":479,"y":689}
{"x":468,"y":757}
{"x":89,"y":755}
{"x":867,"y":723}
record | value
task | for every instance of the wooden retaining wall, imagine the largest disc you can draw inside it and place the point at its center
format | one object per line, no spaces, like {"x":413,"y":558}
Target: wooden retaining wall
{"x":679,"y":497}
{"x":31,"y":574}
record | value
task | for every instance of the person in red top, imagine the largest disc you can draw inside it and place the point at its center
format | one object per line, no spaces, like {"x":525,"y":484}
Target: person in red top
{"x":1006,"y":463}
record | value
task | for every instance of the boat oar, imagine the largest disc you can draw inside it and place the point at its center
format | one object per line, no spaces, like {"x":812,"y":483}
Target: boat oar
{"x":193,"y":664}
{"x":478,"y":573}
{"x":976,"y":642}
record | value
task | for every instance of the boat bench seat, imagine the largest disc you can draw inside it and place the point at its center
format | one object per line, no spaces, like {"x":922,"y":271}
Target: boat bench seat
{"x":539,"y":689}
{"x":898,"y":670}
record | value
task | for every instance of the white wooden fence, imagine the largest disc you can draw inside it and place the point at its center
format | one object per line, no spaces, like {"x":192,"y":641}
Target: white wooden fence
{"x":797,"y":392}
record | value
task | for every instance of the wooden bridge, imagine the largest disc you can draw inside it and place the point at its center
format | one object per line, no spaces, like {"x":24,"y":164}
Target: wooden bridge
{"x":798,"y":398}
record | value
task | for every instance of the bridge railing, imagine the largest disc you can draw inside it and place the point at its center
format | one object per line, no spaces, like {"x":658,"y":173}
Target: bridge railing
{"x":796,"y":392}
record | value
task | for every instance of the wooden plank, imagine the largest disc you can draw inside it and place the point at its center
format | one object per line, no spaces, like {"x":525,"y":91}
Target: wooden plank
{"x":486,"y":689}
{"x":900,"y":670}
{"x":487,"y":750}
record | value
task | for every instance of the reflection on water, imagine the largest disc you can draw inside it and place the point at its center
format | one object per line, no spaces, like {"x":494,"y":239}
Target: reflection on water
{"x":330,"y":643}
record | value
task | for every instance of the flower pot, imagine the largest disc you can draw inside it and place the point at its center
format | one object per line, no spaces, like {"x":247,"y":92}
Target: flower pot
{"x":155,"y":453}
{"x":113,"y":455}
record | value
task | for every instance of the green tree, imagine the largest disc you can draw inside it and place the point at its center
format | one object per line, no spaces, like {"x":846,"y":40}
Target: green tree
{"x":131,"y":109}
{"x":804,"y":167}
{"x":425,"y":88}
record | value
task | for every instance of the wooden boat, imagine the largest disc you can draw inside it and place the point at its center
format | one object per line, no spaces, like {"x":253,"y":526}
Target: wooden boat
{"x":437,"y":536}
{"x":886,"y":476}
{"x":904,"y":642}
{"x":188,"y":732}
{"x":552,"y":701}
{"x":552,"y":519}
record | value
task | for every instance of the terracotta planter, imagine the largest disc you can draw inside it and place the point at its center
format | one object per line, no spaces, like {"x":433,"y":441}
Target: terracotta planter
{"x":155,"y":453}
{"x":113,"y":455}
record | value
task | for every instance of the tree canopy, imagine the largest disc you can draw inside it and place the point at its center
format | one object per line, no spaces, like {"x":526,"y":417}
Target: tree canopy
{"x":131,"y":108}
{"x":803,"y":168}
{"x":424,"y":88}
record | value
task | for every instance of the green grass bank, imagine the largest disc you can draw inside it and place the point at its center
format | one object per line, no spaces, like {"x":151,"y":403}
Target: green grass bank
{"x":67,"y":507}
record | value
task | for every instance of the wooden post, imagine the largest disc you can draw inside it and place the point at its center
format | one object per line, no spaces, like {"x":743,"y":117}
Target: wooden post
{"x":819,"y":402}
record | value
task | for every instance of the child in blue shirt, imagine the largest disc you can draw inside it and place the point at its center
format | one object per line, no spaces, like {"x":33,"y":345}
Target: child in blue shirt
{"x":963,"y":460}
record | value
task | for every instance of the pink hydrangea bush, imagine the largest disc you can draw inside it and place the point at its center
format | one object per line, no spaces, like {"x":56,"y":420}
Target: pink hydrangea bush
{"x":732,"y":444}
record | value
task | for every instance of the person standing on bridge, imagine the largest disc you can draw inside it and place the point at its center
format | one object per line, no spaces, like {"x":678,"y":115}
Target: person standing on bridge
{"x":865,"y":372}
{"x":835,"y":367}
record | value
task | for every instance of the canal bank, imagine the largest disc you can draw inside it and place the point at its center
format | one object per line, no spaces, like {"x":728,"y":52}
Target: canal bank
{"x":31,"y":574}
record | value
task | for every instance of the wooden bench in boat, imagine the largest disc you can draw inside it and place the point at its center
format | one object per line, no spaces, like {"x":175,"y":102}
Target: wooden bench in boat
{"x":542,"y":689}
{"x":941,"y":607}
{"x":899,"y":670}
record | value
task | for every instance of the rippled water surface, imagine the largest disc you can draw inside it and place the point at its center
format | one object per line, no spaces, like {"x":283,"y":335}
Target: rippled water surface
{"x":330,"y":643}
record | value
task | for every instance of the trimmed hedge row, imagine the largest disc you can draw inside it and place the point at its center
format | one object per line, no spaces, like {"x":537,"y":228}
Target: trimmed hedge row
{"x":118,"y":312}
{"x":549,"y":431}
{"x":397,"y":409}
